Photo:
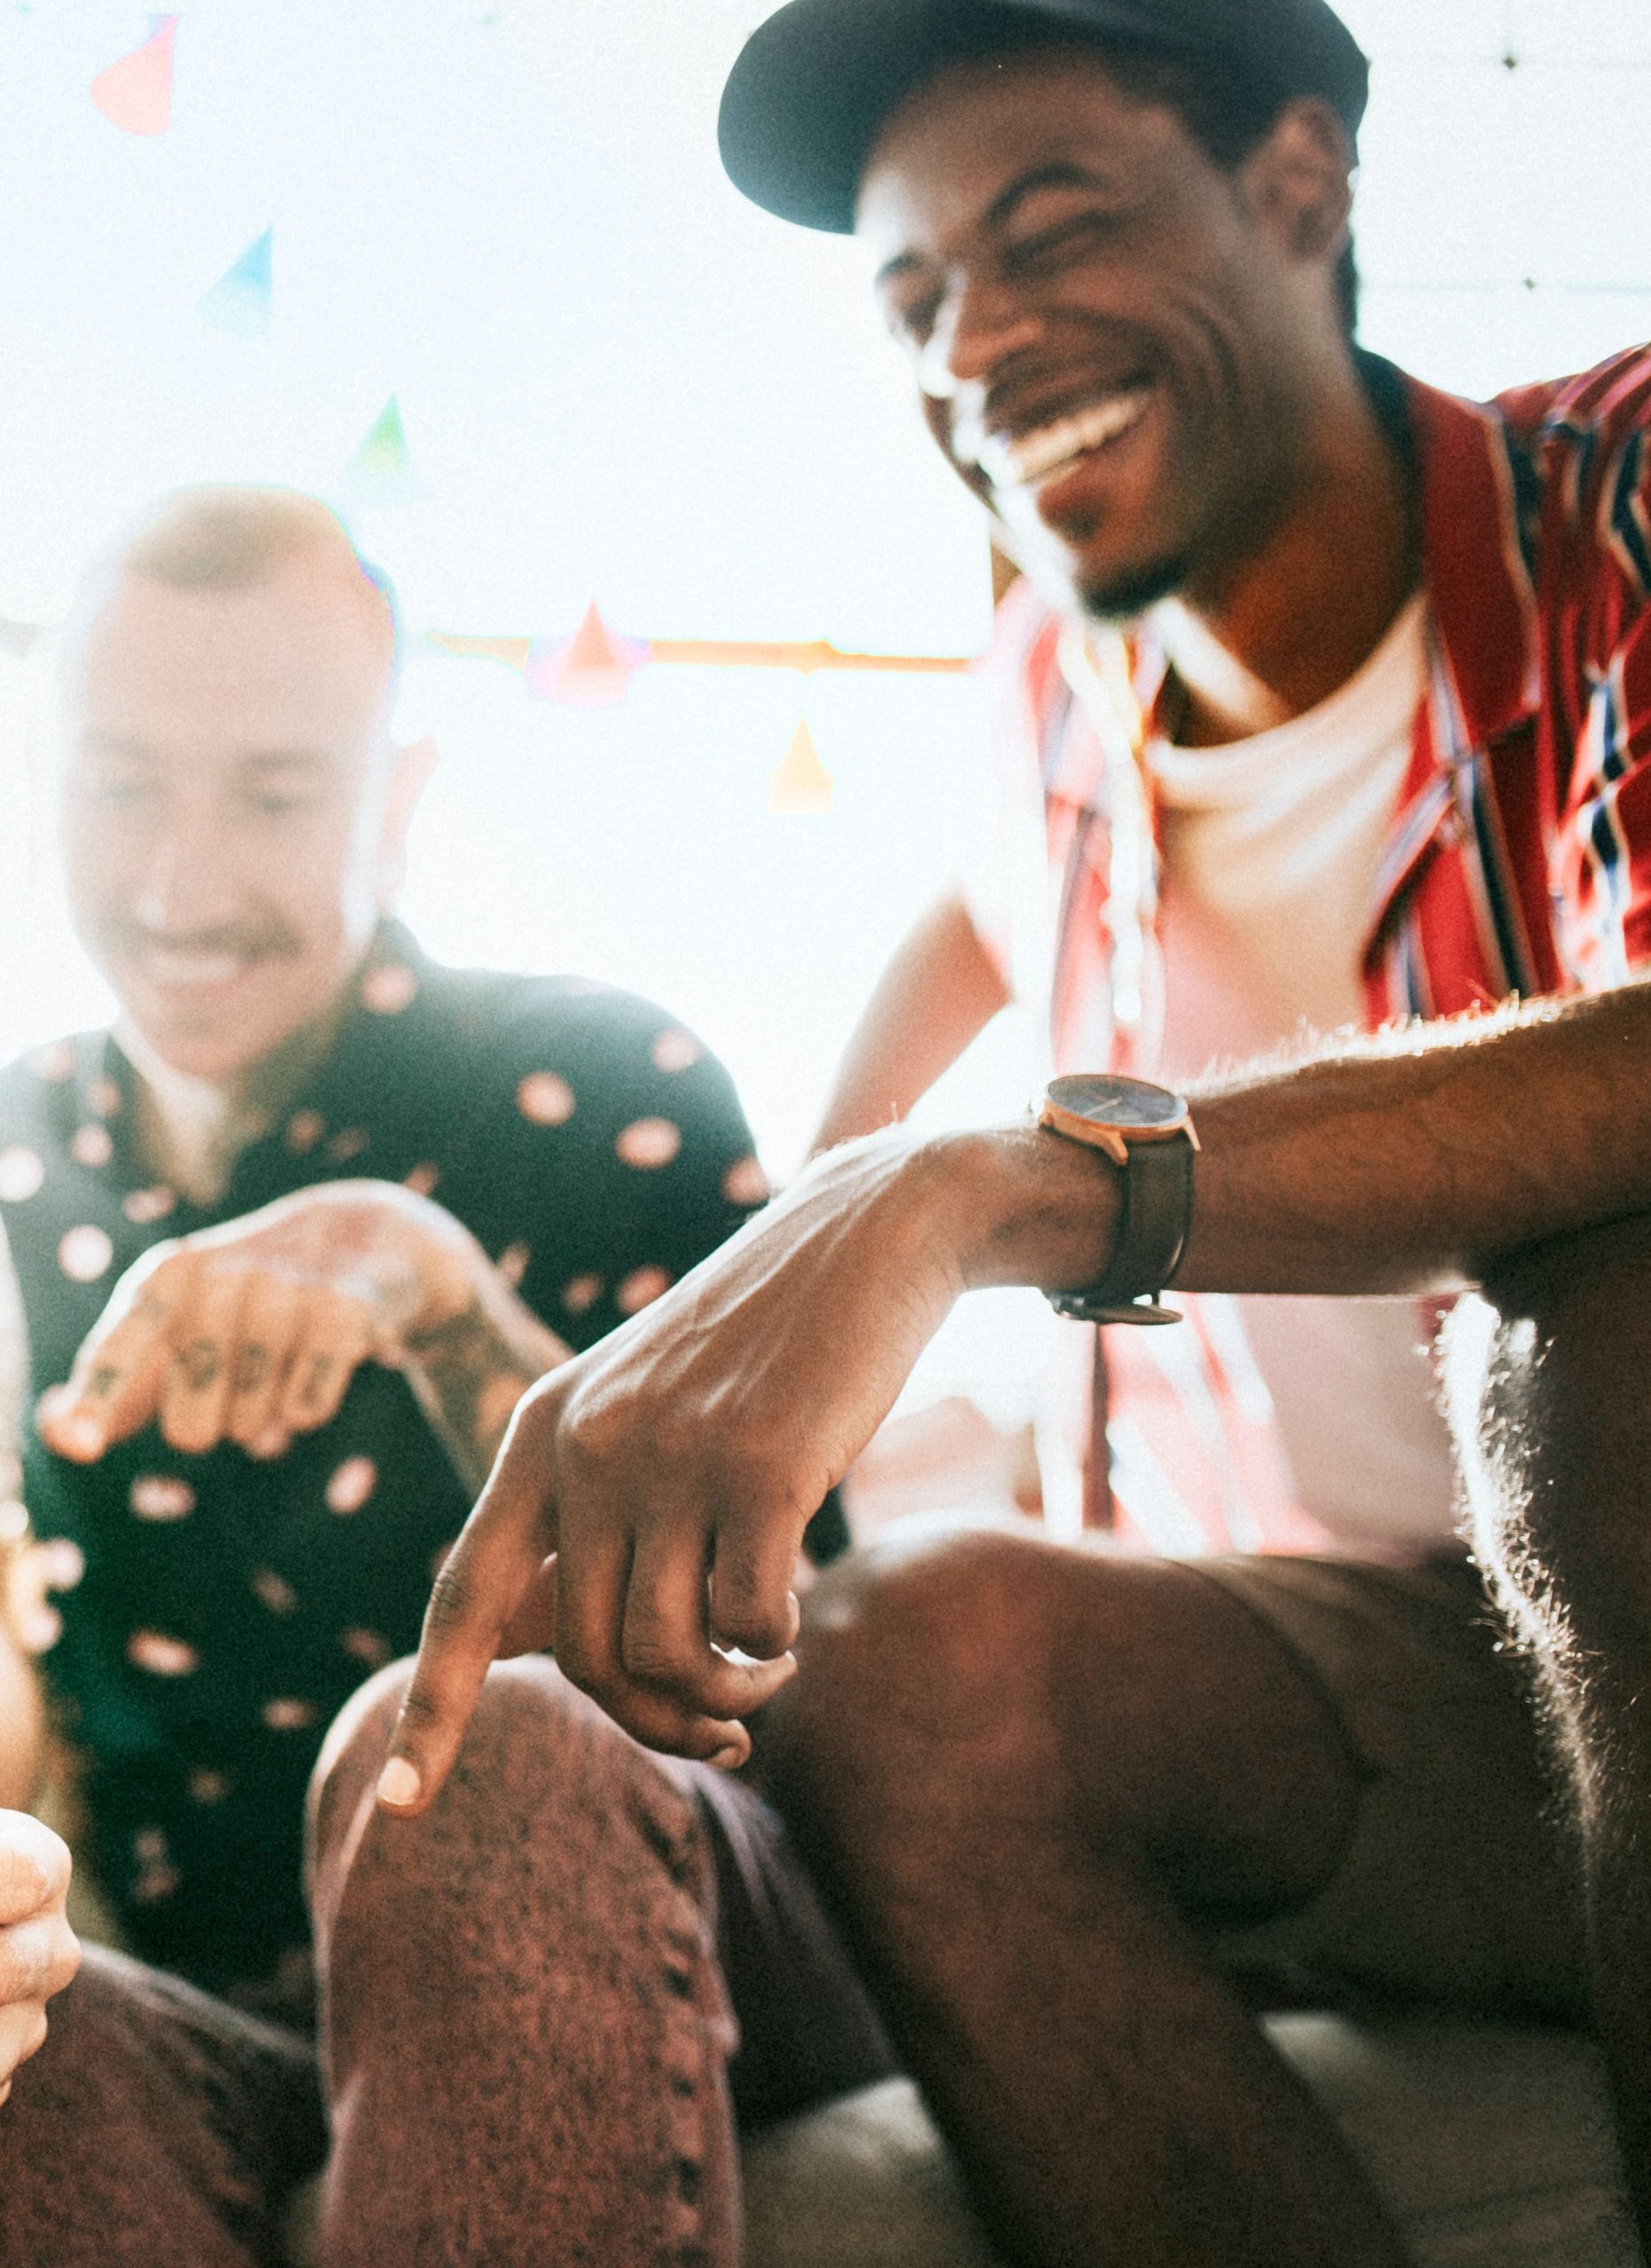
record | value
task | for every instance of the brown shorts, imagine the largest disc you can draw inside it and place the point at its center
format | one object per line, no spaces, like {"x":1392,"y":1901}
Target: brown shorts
{"x":1458,"y":1886}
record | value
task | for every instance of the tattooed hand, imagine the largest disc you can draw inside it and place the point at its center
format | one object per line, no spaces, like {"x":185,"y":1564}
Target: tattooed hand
{"x":251,"y":1332}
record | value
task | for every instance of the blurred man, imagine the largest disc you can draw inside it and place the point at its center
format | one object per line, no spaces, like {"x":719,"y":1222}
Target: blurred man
{"x":1371,"y":748}
{"x":300,"y":1229}
{"x":38,"y":1951}
{"x":292,"y":1238}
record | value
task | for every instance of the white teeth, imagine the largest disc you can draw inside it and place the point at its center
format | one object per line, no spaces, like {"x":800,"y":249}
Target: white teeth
{"x":1029,"y":458}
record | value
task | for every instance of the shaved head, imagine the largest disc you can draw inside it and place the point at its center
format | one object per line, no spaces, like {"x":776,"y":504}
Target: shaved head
{"x":230,"y":539}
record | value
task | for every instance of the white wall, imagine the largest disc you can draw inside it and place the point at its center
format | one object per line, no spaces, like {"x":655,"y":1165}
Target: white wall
{"x":618,"y":378}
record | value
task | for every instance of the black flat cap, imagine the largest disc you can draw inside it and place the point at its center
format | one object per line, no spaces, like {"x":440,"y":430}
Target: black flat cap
{"x":812,"y":85}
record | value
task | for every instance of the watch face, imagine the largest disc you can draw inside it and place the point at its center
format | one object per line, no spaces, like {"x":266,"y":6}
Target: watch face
{"x":1132,"y":1105}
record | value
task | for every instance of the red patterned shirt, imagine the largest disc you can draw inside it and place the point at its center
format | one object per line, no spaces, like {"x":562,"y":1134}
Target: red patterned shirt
{"x":1518,"y":857}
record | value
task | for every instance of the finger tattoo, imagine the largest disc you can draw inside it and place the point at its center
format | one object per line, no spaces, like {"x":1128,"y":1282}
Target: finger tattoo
{"x":199,"y":1364}
{"x":252,"y":1369}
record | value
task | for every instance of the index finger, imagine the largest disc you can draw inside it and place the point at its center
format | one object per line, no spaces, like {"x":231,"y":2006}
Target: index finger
{"x":115,"y":1383}
{"x":504,"y":1545}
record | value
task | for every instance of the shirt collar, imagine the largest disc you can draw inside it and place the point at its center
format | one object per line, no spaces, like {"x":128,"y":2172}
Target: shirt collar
{"x":349,"y":1075}
{"x":1478,"y":582}
{"x":1478,"y":579}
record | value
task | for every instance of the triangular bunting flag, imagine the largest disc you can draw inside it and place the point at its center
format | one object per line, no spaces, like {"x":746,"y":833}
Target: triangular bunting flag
{"x":590,"y":670}
{"x":136,"y":93}
{"x":381,"y":470}
{"x":239,"y":302}
{"x":800,"y":783}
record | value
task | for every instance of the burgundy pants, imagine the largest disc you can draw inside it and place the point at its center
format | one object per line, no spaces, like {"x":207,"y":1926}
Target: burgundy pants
{"x":543,"y":2008}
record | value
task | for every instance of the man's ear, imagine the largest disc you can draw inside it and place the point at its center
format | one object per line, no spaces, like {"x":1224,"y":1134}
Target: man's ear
{"x":1298,"y":182}
{"x":411,"y":767}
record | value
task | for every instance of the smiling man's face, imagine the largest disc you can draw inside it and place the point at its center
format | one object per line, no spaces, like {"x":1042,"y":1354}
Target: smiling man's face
{"x":230,"y":816}
{"x":1106,"y":327}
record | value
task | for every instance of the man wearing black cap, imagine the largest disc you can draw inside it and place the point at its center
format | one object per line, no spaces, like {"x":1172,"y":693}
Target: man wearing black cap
{"x":1386,"y":664}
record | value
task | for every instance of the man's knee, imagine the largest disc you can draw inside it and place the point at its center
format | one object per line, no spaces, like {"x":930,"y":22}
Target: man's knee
{"x":933,"y":1661}
{"x":535,"y":1749}
{"x":1587,"y":1288}
{"x":1553,"y":1437}
{"x":1540,"y":1361}
{"x":930,"y":1608}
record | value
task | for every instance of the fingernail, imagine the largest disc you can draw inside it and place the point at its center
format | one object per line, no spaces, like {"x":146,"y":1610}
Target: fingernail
{"x":399,"y":1783}
{"x":81,"y":1436}
{"x":729,"y":1759}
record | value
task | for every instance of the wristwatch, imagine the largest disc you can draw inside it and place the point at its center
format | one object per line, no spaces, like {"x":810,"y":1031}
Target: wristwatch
{"x":1147,"y":1133}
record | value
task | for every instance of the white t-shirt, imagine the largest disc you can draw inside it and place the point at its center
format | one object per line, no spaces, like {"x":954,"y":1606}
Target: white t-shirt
{"x":1271,"y":846}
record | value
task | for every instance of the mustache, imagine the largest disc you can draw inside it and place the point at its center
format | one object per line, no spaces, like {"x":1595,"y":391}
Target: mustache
{"x":244,"y":942}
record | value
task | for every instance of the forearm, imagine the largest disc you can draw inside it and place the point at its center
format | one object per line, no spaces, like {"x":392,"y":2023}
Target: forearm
{"x":1410,"y":1160}
{"x":470,"y":1372}
{"x":939,"y":992}
{"x":1397,"y":1163}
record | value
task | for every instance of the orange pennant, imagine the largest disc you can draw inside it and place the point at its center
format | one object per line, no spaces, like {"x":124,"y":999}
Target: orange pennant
{"x":800,"y":785}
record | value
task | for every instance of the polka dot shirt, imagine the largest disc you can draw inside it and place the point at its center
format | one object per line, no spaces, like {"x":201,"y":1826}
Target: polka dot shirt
{"x":228,"y":1608}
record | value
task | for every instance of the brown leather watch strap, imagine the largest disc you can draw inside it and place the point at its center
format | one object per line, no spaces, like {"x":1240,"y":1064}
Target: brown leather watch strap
{"x":1153,"y":1223}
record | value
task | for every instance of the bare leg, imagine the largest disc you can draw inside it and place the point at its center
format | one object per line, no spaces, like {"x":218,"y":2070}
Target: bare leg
{"x":1561,"y":1498}
{"x":1024,"y":1769}
{"x":155,"y":2128}
{"x":524,"y":2031}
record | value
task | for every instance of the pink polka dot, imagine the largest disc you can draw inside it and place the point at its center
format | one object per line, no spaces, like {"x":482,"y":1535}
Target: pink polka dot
{"x":62,"y":1563}
{"x":288,"y":1716}
{"x":640,"y":1289}
{"x":162,"y":1657}
{"x":674,"y":1050}
{"x":148,"y":1843}
{"x":512,"y":1263}
{"x":352,"y":1484}
{"x":582,"y":1293}
{"x":21,"y":1173}
{"x":85,"y":1253}
{"x":103,"y":1096}
{"x":274,"y":1591}
{"x":145,"y":1206}
{"x":366,"y":1646}
{"x":423,"y":1179}
{"x":304,"y":1130}
{"x":387,"y":990}
{"x":91,"y":1145}
{"x":745,"y":1184}
{"x":544,"y":1100}
{"x":347,"y":1144}
{"x":155,"y":1885}
{"x":648,"y":1143}
{"x":55,"y":1062}
{"x":161,"y":1496}
{"x":207,"y":1786}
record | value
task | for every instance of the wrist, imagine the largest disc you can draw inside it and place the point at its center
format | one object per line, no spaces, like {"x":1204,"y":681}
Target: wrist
{"x":1030,"y":1207}
{"x":427,"y":1269}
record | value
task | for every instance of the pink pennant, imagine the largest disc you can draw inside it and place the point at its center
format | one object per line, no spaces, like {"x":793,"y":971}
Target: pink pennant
{"x":136,"y":93}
